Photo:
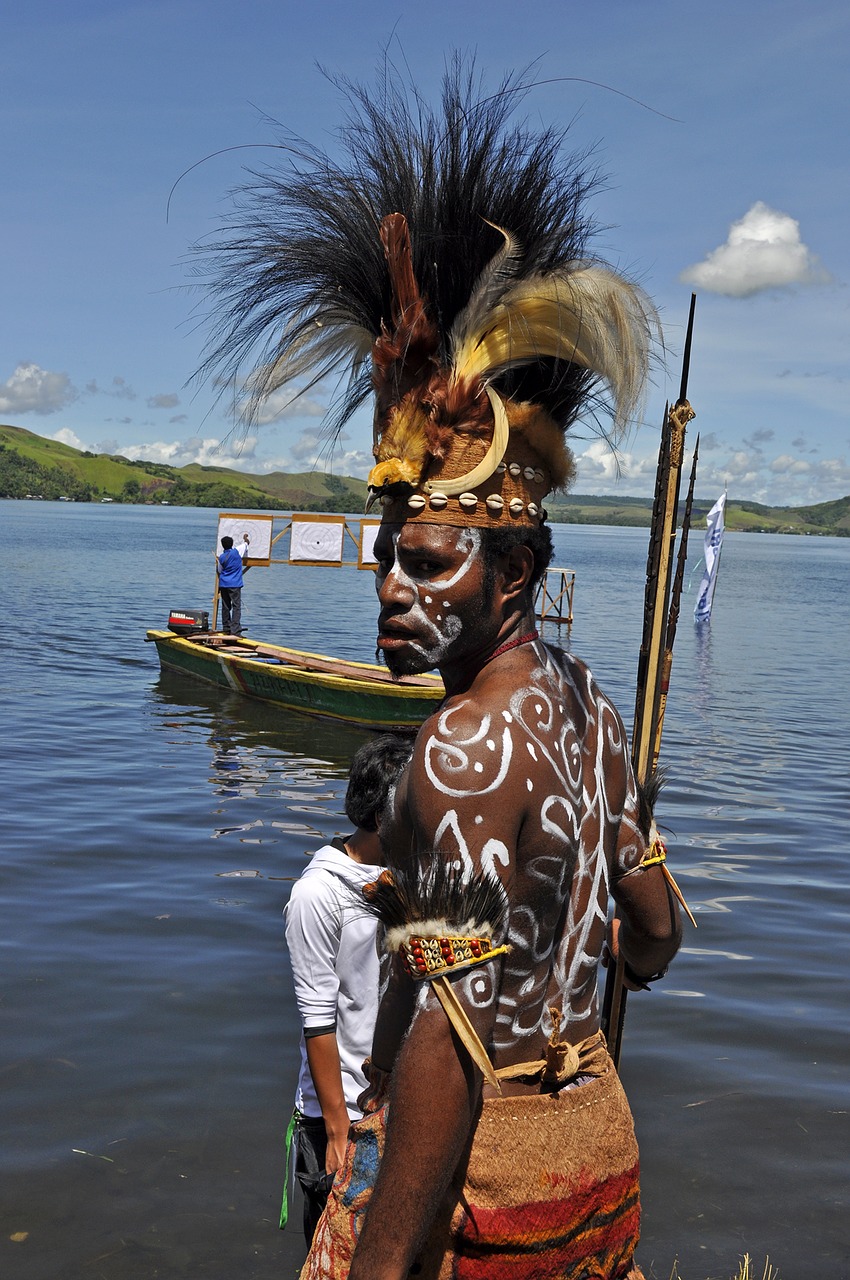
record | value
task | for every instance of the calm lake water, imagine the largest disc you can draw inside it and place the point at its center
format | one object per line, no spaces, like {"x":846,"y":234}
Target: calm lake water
{"x":149,"y":1036}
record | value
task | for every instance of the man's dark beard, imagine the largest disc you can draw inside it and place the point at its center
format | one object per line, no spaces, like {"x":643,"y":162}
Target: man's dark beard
{"x":400,"y":665}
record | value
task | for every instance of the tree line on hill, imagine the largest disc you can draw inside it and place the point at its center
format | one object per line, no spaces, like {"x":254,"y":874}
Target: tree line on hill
{"x":24,"y":477}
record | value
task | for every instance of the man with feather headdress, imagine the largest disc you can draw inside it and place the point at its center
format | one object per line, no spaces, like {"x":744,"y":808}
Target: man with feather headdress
{"x":445,"y":262}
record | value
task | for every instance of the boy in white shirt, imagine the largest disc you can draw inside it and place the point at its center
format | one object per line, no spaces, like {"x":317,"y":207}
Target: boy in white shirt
{"x":333,"y":948}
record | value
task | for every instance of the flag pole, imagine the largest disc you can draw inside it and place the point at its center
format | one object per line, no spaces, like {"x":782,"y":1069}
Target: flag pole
{"x":651,"y":692}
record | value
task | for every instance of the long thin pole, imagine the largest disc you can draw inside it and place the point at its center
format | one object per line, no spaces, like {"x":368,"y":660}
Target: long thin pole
{"x":649,"y":700}
{"x":673,"y":614}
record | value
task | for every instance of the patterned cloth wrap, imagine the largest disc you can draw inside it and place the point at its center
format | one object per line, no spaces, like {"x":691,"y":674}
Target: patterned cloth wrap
{"x":547,"y":1190}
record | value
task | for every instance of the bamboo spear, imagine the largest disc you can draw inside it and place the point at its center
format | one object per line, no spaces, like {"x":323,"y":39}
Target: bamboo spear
{"x":656,"y":645}
{"x":673,"y":615}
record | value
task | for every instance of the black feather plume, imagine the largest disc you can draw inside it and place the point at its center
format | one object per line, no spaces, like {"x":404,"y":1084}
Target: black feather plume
{"x":299,"y":278}
{"x":428,"y":888}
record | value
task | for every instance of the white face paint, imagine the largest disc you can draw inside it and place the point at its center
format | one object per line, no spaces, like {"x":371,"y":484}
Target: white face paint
{"x":409,"y":618}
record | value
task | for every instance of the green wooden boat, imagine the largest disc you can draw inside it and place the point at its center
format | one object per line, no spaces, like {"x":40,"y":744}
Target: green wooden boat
{"x":355,"y":692}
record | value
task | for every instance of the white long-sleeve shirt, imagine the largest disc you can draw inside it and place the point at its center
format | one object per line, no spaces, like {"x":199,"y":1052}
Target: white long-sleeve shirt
{"x":332,"y":944}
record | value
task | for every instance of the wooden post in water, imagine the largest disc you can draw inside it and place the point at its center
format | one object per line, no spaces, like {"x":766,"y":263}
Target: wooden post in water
{"x":550,"y":607}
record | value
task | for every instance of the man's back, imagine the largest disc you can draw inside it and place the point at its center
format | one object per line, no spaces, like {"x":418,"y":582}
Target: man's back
{"x":525,"y":775}
{"x":230,"y":568}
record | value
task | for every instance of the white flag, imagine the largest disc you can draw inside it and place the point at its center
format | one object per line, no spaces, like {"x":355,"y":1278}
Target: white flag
{"x":711,"y":555}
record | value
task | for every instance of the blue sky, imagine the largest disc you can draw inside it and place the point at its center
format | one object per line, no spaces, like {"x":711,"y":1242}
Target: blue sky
{"x":735,"y":184}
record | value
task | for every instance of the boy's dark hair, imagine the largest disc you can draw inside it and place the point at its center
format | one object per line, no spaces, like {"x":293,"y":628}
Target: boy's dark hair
{"x":499,"y":542}
{"x":375,"y":768}
{"x":227,"y":542}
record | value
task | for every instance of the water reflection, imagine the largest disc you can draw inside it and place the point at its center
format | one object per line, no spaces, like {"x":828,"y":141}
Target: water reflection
{"x":703,"y":672}
{"x":237,"y":726}
{"x":227,"y":760}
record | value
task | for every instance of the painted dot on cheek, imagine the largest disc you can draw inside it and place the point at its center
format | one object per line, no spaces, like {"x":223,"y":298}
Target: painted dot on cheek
{"x":478,"y":819}
{"x":479,"y":767}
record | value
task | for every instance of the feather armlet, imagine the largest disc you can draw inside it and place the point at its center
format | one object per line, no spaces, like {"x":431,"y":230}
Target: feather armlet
{"x":440,"y":920}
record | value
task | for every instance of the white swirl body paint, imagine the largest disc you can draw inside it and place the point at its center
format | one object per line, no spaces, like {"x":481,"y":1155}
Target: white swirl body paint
{"x":553,"y":743}
{"x":446,"y":755}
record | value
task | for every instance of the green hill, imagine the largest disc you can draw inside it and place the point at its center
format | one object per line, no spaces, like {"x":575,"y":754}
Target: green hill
{"x":831,"y":518}
{"x":31,"y":466}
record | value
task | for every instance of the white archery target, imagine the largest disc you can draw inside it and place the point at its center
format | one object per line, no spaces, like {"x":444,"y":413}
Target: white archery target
{"x":368,"y":534}
{"x":316,"y":540}
{"x":258,"y":529}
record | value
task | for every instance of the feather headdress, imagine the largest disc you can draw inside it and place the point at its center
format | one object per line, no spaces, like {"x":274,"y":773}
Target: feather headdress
{"x":442,"y":261}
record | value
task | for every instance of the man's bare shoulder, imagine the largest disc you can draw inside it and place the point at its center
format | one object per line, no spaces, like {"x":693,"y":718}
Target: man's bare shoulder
{"x":461,"y":771}
{"x":540,"y":680}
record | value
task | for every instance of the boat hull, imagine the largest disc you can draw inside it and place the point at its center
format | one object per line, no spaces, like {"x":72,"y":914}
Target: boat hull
{"x":353,"y":692}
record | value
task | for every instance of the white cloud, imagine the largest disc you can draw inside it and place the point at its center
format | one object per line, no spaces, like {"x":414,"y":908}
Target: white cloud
{"x":785,"y":465}
{"x":602,"y":471}
{"x":763,"y":251}
{"x":34,"y":390}
{"x":285,"y":403}
{"x":207,"y":451}
{"x":783,"y":481}
{"x":312,"y":451}
{"x":751,"y":473}
{"x":168,"y":401}
{"x":69,"y":437}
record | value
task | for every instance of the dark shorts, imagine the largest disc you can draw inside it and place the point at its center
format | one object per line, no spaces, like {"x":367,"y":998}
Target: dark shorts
{"x":310,"y":1142}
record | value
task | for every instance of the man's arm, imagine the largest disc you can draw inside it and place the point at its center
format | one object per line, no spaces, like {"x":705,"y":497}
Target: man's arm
{"x":323,"y":1061}
{"x":650,"y":930}
{"x":433,"y":1101}
{"x":313,"y":935}
{"x":435,"y":1087}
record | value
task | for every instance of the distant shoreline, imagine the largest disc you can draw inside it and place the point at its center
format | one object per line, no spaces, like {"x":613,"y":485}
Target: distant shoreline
{"x":555,"y":517}
{"x":37,"y":469}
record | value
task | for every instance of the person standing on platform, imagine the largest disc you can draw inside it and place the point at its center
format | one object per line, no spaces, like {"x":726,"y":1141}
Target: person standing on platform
{"x":230,"y":568}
